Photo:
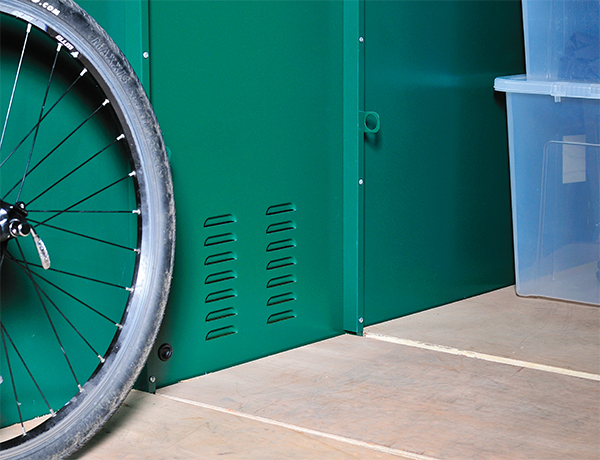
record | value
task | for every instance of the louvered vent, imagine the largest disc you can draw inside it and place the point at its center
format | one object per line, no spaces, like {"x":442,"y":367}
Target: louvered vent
{"x":221,"y":275}
{"x":281,"y":247}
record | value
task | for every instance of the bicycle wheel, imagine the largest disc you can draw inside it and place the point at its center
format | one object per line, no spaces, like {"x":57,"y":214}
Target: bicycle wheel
{"x":87,"y":228}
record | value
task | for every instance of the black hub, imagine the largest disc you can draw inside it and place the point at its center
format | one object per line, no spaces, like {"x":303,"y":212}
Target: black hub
{"x":13,"y":221}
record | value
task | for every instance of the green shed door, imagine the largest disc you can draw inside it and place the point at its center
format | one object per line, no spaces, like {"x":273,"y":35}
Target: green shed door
{"x":437,"y":223}
{"x":248,"y":95}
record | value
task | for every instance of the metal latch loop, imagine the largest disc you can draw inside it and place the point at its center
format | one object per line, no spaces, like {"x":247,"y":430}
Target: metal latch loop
{"x":370,"y":122}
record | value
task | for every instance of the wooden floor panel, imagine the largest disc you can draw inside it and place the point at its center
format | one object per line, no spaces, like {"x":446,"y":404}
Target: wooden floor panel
{"x":359,"y":398}
{"x":500,"y":323}
{"x":444,"y":406}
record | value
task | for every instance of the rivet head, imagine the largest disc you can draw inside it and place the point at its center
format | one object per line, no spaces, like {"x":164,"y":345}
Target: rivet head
{"x":152,"y":379}
{"x":146,"y":55}
{"x":165,"y":352}
{"x":360,"y":181}
{"x":361,"y":39}
{"x":360,"y":320}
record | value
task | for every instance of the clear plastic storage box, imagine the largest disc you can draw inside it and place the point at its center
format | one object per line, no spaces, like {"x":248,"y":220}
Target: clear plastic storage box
{"x":554,"y":141}
{"x":562,"y":39}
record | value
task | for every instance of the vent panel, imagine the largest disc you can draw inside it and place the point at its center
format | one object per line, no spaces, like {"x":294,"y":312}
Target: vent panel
{"x":220,"y":280}
{"x":281,"y":227}
{"x":220,"y":220}
{"x":220,"y":314}
{"x":282,"y":316}
{"x":281,"y":298}
{"x":221,"y":332}
{"x":220,"y":239}
{"x":282,"y":244}
{"x":220,"y":277}
{"x":221,"y":295}
{"x":281,"y":208}
{"x":280,"y":263}
{"x":281,"y":281}
{"x":220,"y":258}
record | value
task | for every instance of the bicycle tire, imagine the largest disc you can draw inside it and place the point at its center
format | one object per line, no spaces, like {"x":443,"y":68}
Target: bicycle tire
{"x":83,"y":415}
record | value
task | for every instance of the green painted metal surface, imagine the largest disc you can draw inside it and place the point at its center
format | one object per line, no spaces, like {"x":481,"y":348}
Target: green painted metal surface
{"x":249,"y":96}
{"x":261,"y":105}
{"x":353,"y":169}
{"x":437,"y":204}
{"x":126,"y":21}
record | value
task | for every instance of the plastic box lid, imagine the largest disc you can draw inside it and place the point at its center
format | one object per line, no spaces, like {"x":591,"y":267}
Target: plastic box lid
{"x":561,"y":40}
{"x":558,"y":89}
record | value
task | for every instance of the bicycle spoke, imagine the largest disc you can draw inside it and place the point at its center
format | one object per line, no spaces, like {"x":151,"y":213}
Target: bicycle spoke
{"x":35,"y":135}
{"x":12,"y":379}
{"x":71,"y":232}
{"x":106,"y":283}
{"x":81,"y":211}
{"x":37,"y":386}
{"x":58,"y":146}
{"x":43,"y":278}
{"x":62,"y":348}
{"x":81,"y":74}
{"x":39,"y":289}
{"x":121,"y":137}
{"x":12,"y":95}
{"x":131,"y":174}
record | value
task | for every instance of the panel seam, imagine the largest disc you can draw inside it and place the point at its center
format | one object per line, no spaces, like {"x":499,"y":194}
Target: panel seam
{"x":481,"y":356}
{"x":354,"y":442}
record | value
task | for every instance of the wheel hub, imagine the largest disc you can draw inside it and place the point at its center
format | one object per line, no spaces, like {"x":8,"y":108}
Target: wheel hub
{"x":13,"y":223}
{"x":13,"y":220}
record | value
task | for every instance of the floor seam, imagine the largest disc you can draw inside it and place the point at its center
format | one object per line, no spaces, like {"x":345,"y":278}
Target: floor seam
{"x":355,"y":442}
{"x":481,"y":356}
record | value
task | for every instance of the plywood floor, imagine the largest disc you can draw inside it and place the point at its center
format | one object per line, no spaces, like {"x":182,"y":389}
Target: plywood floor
{"x":492,"y":377}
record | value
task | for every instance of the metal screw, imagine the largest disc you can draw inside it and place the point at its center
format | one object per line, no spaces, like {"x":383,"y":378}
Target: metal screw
{"x":360,"y":181}
{"x":152,"y":379}
{"x":361,"y":39}
{"x":146,"y":55}
{"x":360,"y":320}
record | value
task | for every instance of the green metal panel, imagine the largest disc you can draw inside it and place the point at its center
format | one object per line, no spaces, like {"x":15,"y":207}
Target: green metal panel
{"x":353,"y":169}
{"x":437,"y":206}
{"x":126,"y":21}
{"x":249,"y":96}
{"x":280,"y":243}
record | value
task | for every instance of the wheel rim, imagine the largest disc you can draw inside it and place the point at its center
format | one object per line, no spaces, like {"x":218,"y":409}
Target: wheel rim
{"x":83,"y":203}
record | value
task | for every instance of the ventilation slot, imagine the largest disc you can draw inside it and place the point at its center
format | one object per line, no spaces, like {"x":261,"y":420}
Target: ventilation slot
{"x":220,"y":239}
{"x":281,"y":281}
{"x":221,"y":332}
{"x":220,"y":314}
{"x":277,"y":317}
{"x":281,"y":227}
{"x":280,"y":263}
{"x":220,"y":277}
{"x":220,"y":220}
{"x":282,"y":298}
{"x":220,"y":258}
{"x":221,"y":295}
{"x":281,"y":208}
{"x":283,"y":244}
